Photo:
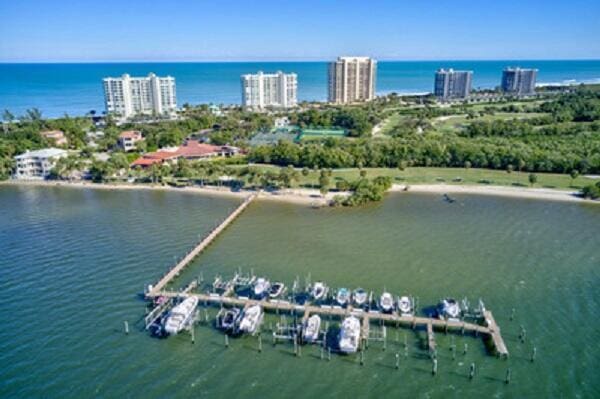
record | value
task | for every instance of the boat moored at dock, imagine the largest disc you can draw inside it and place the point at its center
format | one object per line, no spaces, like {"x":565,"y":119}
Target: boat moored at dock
{"x":250,"y":319}
{"x":359,"y":296}
{"x":311,"y":329}
{"x":343,"y":296}
{"x":227,"y":319}
{"x":448,"y":309}
{"x":276,"y":290}
{"x":261,"y":287}
{"x":349,"y":337}
{"x":318,"y":291}
{"x":405,"y":306}
{"x":386,"y":302}
{"x":181,"y":316}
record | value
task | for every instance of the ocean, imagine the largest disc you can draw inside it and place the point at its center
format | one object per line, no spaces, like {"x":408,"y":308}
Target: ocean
{"x":75,"y":89}
{"x":74,"y":261}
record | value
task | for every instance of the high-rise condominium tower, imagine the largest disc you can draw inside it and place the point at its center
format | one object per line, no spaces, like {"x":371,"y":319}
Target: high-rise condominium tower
{"x":352,"y":79}
{"x":519,"y":81}
{"x":451,"y":84}
{"x":128,"y":96}
{"x":269,"y":90}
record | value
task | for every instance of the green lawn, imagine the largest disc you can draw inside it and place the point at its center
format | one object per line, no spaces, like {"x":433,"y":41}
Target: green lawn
{"x":451,"y":175}
{"x":454,"y":122}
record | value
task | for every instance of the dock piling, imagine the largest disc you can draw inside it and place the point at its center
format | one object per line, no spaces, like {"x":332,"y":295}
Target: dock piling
{"x":472,"y":371}
{"x":397,"y":360}
{"x":226,"y":341}
{"x":126,"y":325}
{"x":507,"y":379}
{"x":259,"y":342}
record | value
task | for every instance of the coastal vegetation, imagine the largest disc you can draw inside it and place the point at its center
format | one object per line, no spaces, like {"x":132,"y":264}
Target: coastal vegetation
{"x":551,"y":142}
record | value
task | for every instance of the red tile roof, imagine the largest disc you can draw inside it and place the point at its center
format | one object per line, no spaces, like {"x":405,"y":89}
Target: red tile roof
{"x":154,"y":157}
{"x":194,"y":149}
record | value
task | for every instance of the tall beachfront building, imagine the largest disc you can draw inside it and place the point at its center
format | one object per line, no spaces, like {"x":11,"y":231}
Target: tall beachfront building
{"x":519,"y":81}
{"x":128,"y":96}
{"x":269,"y":90}
{"x":352,"y":79}
{"x":450,"y":84}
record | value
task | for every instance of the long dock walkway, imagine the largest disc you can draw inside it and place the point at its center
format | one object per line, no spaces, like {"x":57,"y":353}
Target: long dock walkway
{"x":491,"y":329}
{"x":205,"y":242}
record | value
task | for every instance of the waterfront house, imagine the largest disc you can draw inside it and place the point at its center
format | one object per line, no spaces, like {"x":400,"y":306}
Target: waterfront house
{"x":37,"y":165}
{"x":57,"y":137}
{"x":128,"y":139}
{"x":191,"y":150}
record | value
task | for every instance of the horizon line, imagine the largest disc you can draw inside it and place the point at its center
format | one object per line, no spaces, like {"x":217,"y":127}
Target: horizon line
{"x":273,"y":60}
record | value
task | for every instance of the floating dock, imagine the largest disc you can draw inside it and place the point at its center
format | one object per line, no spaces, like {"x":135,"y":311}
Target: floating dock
{"x":201,"y":246}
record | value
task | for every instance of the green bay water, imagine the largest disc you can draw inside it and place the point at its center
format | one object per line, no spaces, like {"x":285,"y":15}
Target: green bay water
{"x":74,"y":260}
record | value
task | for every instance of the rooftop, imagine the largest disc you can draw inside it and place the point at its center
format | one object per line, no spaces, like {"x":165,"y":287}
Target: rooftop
{"x":43,"y":153}
{"x":131,"y":134}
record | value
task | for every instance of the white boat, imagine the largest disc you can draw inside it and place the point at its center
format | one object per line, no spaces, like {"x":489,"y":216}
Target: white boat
{"x":405,"y":306}
{"x":276,"y":289}
{"x":386,"y":302}
{"x":349,"y":338}
{"x":261,"y":287}
{"x":343,"y":296}
{"x":228,"y":319}
{"x":449,"y":309}
{"x":251,"y":319}
{"x":319,"y":290}
{"x":181,"y":315}
{"x":310,"y":331}
{"x":359,"y":296}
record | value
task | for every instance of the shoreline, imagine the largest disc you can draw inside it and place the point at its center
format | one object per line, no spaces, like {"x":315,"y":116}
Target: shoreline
{"x":312,"y":197}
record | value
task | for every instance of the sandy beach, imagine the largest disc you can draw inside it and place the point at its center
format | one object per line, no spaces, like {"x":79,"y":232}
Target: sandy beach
{"x":503,"y":191}
{"x":312,"y":197}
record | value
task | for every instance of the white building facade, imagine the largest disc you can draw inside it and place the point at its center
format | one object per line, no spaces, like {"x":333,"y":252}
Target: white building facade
{"x":37,"y":165}
{"x":352,"y":79}
{"x":129,"y":96}
{"x":278,"y":90}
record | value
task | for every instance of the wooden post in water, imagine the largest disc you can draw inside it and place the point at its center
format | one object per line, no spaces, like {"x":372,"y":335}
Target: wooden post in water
{"x":472,"y":371}
{"x":533,"y":354}
{"x":226,"y":341}
{"x":384,"y":338}
{"x":434,"y":367}
{"x":259,"y":342}
{"x":126,"y":325}
{"x":397,"y":360}
{"x":274,"y":338}
{"x":192,"y":329}
{"x":465,"y":349}
{"x":205,"y":316}
{"x":507,"y":379}
{"x":362,"y":358}
{"x":295,"y":345}
{"x":328,"y":354}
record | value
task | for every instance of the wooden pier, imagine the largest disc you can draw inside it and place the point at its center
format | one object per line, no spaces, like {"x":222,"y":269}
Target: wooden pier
{"x":491,"y":329}
{"x":201,"y":246}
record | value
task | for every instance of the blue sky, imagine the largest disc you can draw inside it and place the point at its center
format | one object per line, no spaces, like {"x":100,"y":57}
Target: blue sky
{"x":199,"y":30}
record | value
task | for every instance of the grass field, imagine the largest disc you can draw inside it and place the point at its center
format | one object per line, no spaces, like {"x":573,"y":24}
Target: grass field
{"x":459,"y":176}
{"x":455,"y":122}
